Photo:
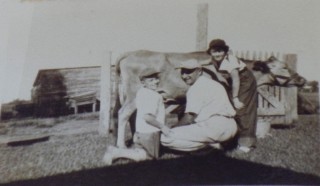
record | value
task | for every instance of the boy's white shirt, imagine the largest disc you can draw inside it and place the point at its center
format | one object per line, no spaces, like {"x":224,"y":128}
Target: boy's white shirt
{"x":149,"y":102}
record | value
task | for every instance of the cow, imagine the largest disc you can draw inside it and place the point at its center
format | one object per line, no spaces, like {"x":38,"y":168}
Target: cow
{"x":274,"y":72}
{"x":172,"y":87}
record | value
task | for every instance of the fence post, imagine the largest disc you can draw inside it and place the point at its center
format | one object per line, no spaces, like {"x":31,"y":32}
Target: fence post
{"x":105,"y":95}
{"x":202,"y":26}
{"x":291,"y":92}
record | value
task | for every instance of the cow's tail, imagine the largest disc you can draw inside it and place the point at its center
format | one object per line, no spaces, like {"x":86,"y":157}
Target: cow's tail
{"x":118,"y":87}
{"x":118,"y":96}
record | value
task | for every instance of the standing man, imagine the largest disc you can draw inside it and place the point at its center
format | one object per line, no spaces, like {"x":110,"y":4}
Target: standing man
{"x":208,"y":119}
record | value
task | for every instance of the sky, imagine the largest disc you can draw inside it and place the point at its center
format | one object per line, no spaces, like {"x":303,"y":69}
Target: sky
{"x":44,"y":34}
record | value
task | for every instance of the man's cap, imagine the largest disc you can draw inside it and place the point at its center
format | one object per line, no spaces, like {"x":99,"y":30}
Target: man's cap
{"x":148,"y":72}
{"x":189,"y":64}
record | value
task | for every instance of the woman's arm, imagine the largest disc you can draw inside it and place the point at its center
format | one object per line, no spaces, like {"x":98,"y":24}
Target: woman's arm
{"x":218,"y":75}
{"x":235,"y":89}
{"x":235,"y":82}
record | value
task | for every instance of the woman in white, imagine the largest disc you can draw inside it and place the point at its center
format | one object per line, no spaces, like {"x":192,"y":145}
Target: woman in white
{"x":242,"y":92}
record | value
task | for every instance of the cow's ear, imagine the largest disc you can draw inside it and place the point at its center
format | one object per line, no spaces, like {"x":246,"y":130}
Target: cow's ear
{"x":261,"y":66}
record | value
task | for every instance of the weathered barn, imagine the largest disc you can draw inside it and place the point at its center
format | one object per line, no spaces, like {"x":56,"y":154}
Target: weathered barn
{"x":64,"y":91}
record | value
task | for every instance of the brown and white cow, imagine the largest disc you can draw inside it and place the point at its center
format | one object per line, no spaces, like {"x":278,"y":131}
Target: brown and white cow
{"x":131,"y":64}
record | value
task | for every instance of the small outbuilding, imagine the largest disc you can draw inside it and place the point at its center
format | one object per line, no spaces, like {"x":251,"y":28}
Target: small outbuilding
{"x":65,"y":91}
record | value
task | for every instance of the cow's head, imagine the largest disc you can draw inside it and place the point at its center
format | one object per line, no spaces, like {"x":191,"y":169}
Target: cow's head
{"x":275,"y":72}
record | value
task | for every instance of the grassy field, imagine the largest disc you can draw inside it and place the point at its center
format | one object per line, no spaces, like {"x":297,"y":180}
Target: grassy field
{"x":72,"y":156}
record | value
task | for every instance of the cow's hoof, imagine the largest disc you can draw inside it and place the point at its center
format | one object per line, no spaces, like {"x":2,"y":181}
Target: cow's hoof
{"x":121,"y":146}
{"x":109,"y":155}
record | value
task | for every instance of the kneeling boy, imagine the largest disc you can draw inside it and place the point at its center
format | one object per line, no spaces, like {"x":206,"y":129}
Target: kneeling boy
{"x":149,"y":122}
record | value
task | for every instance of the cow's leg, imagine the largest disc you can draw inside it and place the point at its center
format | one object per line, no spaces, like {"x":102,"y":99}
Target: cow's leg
{"x":123,"y":119}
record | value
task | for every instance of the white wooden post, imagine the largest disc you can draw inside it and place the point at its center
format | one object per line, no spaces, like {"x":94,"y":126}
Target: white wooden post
{"x":75,"y":108}
{"x":202,"y":26}
{"x":105,"y":95}
{"x":291,"y":92}
{"x":94,"y":106}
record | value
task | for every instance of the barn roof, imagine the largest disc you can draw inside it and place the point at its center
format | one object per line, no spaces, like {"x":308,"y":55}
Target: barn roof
{"x":77,"y":80}
{"x":45,"y":71}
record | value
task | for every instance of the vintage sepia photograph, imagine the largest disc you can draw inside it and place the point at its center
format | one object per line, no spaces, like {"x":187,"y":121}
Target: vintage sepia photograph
{"x":162,"y":92}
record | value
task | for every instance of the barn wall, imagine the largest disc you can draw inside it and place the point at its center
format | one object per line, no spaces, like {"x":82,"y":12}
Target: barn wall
{"x":81,"y":80}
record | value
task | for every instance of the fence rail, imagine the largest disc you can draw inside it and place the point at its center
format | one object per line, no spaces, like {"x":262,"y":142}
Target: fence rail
{"x":258,"y":55}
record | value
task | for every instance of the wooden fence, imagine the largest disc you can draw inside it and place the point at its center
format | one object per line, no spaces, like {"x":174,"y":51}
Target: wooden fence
{"x":277,"y":104}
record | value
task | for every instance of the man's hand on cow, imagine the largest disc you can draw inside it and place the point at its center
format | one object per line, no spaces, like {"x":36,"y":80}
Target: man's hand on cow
{"x":222,"y":79}
{"x":237,"y":103}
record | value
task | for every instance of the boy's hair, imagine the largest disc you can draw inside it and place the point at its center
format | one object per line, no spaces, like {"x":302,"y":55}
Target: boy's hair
{"x":156,"y":75}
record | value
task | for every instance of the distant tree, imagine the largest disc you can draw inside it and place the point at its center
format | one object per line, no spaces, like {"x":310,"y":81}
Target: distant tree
{"x":315,"y":85}
{"x":48,"y":95}
{"x":16,"y":108}
{"x":305,"y":105}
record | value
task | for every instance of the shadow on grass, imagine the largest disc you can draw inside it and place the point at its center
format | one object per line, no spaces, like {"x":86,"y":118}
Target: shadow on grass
{"x":207,"y":169}
{"x":283,"y":126}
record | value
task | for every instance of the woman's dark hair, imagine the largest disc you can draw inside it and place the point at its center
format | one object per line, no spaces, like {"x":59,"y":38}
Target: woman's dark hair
{"x":218,"y":45}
